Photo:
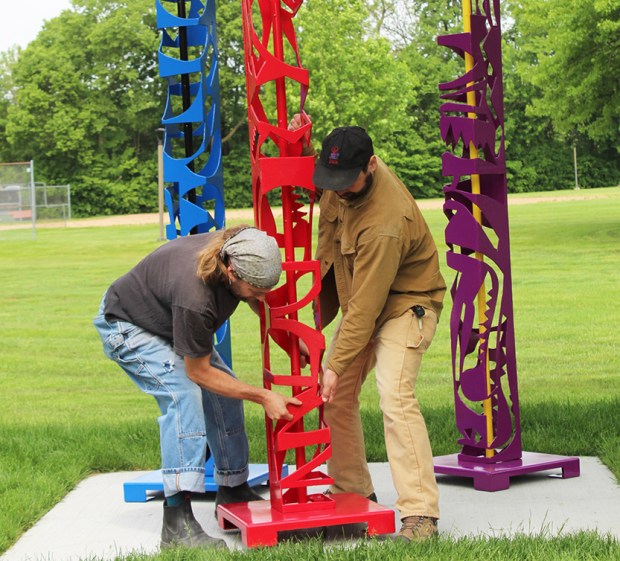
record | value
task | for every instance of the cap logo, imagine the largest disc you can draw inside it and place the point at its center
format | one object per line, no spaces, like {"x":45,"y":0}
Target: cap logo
{"x":334,"y":156}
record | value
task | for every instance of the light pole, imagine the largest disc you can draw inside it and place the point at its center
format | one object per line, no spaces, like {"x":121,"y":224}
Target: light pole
{"x":160,"y":181}
{"x":575,"y":165}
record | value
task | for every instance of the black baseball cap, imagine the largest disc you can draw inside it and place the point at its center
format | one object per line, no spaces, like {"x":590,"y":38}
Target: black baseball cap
{"x":345,"y":151}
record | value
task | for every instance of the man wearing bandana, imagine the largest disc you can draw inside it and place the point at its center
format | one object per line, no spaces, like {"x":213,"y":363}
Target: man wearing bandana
{"x":157,"y":322}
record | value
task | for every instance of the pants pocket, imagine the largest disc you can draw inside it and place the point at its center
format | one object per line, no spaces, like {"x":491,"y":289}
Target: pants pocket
{"x":415,"y":332}
{"x":422,"y":330}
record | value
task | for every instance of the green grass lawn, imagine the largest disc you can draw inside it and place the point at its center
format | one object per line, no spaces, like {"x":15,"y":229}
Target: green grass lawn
{"x":67,"y":411}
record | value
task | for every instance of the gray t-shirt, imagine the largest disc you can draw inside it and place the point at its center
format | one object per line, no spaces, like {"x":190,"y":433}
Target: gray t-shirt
{"x":163,"y":295}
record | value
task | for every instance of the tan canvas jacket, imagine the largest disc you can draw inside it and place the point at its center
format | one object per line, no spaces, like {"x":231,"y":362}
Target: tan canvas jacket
{"x":378,"y":259}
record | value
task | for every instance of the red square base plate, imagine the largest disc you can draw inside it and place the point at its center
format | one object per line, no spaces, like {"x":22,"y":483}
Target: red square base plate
{"x":260,"y":524}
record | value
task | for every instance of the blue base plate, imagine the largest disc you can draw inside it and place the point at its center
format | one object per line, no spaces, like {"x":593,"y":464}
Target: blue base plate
{"x":150,"y":485}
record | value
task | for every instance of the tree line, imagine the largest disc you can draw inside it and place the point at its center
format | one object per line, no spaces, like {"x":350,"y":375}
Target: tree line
{"x":84,"y":99}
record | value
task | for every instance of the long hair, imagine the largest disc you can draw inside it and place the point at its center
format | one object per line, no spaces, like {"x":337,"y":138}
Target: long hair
{"x":211,"y":267}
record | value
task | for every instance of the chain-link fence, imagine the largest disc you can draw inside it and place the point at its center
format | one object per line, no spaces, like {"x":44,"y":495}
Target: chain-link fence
{"x":53,"y":202}
{"x":17,"y":192}
{"x":17,"y":196}
{"x":24,"y":203}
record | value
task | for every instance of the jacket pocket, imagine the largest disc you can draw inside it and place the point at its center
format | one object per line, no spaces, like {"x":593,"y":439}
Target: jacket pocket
{"x":348,"y":254}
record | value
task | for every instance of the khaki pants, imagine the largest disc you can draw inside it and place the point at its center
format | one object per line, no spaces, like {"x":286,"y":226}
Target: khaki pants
{"x":396,"y":353}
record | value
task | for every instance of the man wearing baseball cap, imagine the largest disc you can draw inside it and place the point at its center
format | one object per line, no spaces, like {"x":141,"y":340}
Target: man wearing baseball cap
{"x":379,"y":266}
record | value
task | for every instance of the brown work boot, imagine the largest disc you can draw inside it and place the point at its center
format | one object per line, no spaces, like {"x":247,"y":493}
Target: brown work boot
{"x":417,"y":529}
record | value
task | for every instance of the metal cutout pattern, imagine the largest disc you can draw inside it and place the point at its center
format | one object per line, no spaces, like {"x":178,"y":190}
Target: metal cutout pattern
{"x":476,"y":204}
{"x":187,"y":58}
{"x":280,"y":322}
{"x":286,"y":178}
{"x":481,"y":324}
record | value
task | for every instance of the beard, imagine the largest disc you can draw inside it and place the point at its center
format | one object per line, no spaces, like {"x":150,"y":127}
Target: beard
{"x":355,"y":196}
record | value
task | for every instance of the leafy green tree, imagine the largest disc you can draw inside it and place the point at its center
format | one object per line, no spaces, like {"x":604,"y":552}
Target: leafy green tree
{"x":87,"y":103}
{"x":233,"y":105}
{"x":577,"y":50}
{"x":85,"y":97}
{"x":357,"y":77}
{"x":7,"y":95}
{"x":553,"y":88}
{"x":536,"y":158}
{"x":421,"y":148}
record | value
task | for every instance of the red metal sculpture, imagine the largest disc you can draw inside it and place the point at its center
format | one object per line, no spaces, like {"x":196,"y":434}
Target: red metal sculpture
{"x":288,"y":175}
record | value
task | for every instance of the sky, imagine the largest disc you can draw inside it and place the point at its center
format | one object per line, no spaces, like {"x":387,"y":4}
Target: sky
{"x":21,"y":20}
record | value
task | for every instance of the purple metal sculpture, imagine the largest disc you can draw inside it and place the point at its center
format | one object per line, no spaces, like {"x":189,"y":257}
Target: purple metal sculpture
{"x":481,"y":324}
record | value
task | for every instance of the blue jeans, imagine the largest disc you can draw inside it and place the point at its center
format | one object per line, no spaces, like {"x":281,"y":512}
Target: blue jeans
{"x":192,"y":418}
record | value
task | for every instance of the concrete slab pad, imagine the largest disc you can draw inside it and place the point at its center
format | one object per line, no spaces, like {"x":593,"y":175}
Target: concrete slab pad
{"x":93,"y":521}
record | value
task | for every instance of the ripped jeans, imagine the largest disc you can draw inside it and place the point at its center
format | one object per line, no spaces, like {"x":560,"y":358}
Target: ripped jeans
{"x":192,"y":418}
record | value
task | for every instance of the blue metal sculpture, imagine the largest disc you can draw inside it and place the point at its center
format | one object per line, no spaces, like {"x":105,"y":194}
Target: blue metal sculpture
{"x":187,"y":57}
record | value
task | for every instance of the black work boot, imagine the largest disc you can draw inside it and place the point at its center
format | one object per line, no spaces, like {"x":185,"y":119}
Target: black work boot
{"x":180,"y":528}
{"x":240,"y":494}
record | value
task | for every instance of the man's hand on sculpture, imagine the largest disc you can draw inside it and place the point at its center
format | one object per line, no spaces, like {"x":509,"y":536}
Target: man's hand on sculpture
{"x":328,"y":387}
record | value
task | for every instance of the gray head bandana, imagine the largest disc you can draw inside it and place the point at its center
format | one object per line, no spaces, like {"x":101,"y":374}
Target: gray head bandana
{"x":254,"y":256}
